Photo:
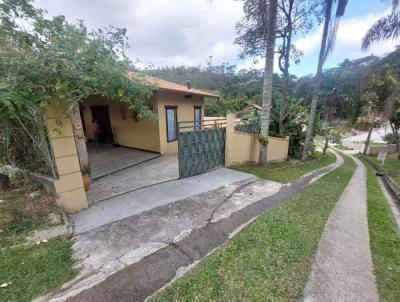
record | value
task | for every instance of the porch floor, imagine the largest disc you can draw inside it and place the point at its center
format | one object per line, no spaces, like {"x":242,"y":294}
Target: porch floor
{"x":106,"y":159}
{"x":154,"y":171}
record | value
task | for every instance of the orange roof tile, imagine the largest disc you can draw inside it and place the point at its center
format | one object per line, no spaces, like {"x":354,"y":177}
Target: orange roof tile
{"x":171,"y":86}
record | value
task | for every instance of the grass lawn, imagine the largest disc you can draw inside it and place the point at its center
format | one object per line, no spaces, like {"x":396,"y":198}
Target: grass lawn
{"x":384,"y":240}
{"x":28,"y":270}
{"x":288,"y":171}
{"x":391,"y":164}
{"x":271,"y":258}
{"x":35,"y":269}
{"x":341,"y":147}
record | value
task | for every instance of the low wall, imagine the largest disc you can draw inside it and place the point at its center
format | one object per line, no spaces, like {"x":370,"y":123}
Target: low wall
{"x":380,"y":149}
{"x":247,"y":148}
{"x":241,"y":147}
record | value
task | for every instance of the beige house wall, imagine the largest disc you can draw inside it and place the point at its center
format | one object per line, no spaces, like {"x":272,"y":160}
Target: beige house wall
{"x":185,"y":112}
{"x":243,"y":147}
{"x":141,"y":134}
{"x":69,"y":185}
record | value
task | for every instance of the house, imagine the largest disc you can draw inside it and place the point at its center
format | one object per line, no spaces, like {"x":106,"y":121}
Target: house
{"x":71,"y":137}
{"x":172,"y":103}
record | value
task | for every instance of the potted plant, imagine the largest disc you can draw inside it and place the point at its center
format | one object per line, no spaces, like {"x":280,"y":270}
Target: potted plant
{"x":85,"y":176}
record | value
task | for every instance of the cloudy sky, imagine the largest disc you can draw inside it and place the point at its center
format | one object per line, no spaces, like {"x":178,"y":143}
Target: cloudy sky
{"x":175,"y":32}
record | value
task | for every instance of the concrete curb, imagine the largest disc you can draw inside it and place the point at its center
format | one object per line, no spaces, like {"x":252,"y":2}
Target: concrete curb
{"x":389,"y":183}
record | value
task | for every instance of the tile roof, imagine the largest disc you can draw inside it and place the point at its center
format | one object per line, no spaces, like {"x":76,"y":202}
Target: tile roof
{"x":171,"y":86}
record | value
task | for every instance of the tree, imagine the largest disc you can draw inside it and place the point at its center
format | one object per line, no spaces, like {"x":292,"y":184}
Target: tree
{"x":251,"y":36}
{"x":295,"y":17}
{"x":395,"y":125}
{"x":327,"y":44}
{"x":386,"y":28}
{"x":379,"y":88}
{"x":53,"y":60}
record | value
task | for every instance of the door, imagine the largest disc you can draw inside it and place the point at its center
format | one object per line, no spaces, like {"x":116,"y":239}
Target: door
{"x":102,"y":116}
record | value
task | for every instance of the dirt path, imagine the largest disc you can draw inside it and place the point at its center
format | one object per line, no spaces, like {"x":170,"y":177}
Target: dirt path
{"x":343,"y":270}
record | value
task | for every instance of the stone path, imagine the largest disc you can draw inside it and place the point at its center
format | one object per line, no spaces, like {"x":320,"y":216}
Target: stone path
{"x":343,"y":269}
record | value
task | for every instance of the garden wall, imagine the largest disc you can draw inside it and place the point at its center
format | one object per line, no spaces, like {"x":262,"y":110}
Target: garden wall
{"x":244,"y":147}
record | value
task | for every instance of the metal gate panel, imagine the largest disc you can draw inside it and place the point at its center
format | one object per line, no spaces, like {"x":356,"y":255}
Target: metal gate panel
{"x":200,"y":151}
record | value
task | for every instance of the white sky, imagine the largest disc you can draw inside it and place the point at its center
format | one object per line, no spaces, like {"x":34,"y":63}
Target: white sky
{"x":175,"y":32}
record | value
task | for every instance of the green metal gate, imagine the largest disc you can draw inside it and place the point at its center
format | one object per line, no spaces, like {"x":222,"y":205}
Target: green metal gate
{"x":200,"y":150}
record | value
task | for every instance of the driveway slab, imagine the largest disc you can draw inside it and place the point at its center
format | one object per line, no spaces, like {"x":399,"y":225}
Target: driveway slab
{"x":154,"y":171}
{"x":141,"y":200}
{"x":107,"y":159}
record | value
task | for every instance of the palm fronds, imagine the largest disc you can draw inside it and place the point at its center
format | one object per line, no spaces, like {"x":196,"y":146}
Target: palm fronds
{"x":385,"y":28}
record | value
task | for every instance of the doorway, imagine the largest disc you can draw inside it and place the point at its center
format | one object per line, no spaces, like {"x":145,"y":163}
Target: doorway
{"x":102,"y":115}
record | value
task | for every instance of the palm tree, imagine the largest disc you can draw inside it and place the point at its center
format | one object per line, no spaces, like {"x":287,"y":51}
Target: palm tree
{"x":270,"y":35}
{"x":386,"y":28}
{"x":327,"y":44}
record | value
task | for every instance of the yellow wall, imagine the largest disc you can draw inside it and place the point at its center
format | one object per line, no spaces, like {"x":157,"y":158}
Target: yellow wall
{"x":243,"y":147}
{"x":69,"y":185}
{"x":142,"y":134}
{"x":247,"y":148}
{"x":185,"y":113}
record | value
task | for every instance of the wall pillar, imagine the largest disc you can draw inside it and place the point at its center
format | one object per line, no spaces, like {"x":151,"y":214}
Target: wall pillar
{"x":229,"y":140}
{"x":69,"y":185}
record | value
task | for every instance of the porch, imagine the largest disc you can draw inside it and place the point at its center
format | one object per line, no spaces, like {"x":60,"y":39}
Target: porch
{"x":107,"y":159}
{"x":118,"y":170}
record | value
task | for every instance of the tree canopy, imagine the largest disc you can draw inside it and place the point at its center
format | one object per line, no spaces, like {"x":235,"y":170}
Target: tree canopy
{"x":52,"y":59}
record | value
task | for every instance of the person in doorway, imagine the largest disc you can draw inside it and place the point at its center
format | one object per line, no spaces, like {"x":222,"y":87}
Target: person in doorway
{"x":96,"y":132}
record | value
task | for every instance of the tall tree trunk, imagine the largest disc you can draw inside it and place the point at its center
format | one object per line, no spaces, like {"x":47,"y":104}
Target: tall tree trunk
{"x":270,"y":32}
{"x":368,"y":138}
{"x":317,"y":79}
{"x":79,"y":136}
{"x":282,"y":109}
{"x":286,"y":76}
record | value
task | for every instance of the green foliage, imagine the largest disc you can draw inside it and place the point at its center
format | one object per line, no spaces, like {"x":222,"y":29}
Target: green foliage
{"x":223,"y":106}
{"x":59,"y":61}
{"x":53,"y":60}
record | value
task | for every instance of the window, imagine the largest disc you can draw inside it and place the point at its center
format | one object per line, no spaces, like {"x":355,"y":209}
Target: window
{"x":172,"y":122}
{"x":197,"y":117}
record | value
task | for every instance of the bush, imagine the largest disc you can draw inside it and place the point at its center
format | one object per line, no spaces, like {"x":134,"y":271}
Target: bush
{"x":391,"y":138}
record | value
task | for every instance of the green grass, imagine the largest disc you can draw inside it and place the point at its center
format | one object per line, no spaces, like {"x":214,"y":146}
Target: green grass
{"x":32,"y":269}
{"x":341,"y":147}
{"x":270,"y":259}
{"x":384,"y":240}
{"x":35,"y":269}
{"x":391,"y":164}
{"x":375,"y":144}
{"x":287,"y":172}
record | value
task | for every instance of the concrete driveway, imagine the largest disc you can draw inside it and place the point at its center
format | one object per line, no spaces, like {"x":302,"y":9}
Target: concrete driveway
{"x":130,"y":258}
{"x":118,"y":232}
{"x":145,"y":199}
{"x":153,"y":170}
